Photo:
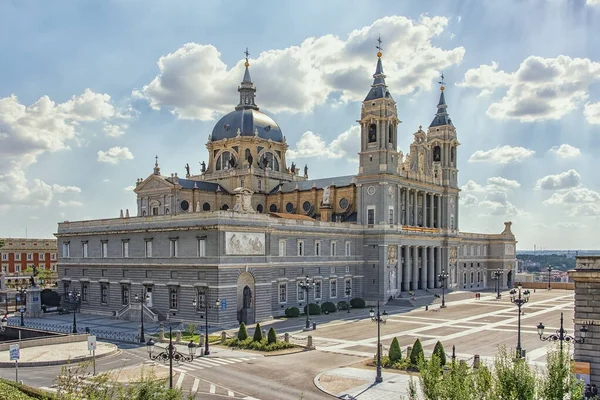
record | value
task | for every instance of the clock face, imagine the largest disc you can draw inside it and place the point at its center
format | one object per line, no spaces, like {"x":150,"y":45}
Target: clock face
{"x":371,"y":190}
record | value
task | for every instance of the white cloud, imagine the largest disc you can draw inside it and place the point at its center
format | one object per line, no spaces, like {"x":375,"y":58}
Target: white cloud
{"x":592,"y":2}
{"x":114,"y":155}
{"x":497,"y":204}
{"x":346,"y":145}
{"x":106,"y":180}
{"x":27,"y":132}
{"x":502,"y":155}
{"x":592,"y":112}
{"x":114,"y":130}
{"x":65,"y":189}
{"x":565,"y":180}
{"x":494,"y":184}
{"x":573,"y":196}
{"x":565,"y":151}
{"x":468,"y":200}
{"x":194,"y":83}
{"x":128,"y":189}
{"x":70,"y":203}
{"x":540,"y":89}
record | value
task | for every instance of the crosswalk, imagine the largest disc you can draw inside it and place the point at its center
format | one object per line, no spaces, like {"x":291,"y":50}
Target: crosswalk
{"x":205,"y":363}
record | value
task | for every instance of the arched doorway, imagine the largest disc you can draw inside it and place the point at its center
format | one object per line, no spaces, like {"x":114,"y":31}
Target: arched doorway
{"x":246,"y":298}
{"x":509,"y":280}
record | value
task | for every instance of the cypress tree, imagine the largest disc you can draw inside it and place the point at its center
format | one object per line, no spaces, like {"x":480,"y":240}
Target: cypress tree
{"x":395,"y":351}
{"x":439,"y":351}
{"x":257,"y":334}
{"x":417,"y":353}
{"x":272,"y":336}
{"x":243,"y":332}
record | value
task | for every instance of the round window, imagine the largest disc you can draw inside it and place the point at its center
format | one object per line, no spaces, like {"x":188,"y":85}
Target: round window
{"x":344,"y":203}
{"x":206,"y":207}
{"x":289,"y":207}
{"x":306,"y":206}
{"x":225,"y":207}
{"x":273,"y":208}
{"x":185,"y":205}
{"x":259,"y":208}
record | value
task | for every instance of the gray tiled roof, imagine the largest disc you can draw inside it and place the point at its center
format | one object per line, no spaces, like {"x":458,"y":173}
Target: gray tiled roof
{"x":200,"y":185}
{"x":338,"y":181}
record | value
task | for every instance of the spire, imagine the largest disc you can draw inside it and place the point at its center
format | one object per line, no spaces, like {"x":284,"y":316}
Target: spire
{"x":378,"y":88}
{"x":441,"y":117}
{"x":156,"y":167}
{"x":246,"y":89}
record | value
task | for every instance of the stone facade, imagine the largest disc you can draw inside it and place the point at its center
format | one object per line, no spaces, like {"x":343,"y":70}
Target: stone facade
{"x":247,"y":220}
{"x":587,"y":312}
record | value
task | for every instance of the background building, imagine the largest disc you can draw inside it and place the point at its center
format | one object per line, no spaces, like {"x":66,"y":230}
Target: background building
{"x":18,"y":254}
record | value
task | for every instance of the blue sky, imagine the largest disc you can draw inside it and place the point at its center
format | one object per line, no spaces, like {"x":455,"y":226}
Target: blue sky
{"x":92,"y":91}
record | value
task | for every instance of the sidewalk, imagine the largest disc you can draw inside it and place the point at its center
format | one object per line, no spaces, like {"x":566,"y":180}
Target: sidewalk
{"x":56,"y":354}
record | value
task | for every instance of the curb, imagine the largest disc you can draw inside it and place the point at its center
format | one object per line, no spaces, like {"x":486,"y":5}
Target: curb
{"x":59,"y":362}
{"x":320,"y":387}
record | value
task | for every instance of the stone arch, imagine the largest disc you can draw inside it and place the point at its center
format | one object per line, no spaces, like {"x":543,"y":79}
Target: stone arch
{"x":245,"y":279}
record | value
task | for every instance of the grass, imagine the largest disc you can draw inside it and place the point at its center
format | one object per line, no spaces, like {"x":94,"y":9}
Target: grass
{"x":186,"y":337}
{"x":14,"y":391}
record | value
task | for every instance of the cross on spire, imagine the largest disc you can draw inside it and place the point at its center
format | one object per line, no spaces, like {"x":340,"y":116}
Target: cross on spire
{"x":378,"y":47}
{"x":156,"y":160}
{"x":442,"y":82}
{"x":247,"y":54}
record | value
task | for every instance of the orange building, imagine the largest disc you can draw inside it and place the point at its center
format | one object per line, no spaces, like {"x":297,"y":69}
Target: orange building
{"x":18,"y":254}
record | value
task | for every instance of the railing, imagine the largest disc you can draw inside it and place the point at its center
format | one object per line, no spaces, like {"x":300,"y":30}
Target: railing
{"x":149,"y":313}
{"x":122,"y":311}
{"x":99,"y":333}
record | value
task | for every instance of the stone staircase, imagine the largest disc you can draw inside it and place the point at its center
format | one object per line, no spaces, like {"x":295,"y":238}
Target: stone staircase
{"x":418,"y":299}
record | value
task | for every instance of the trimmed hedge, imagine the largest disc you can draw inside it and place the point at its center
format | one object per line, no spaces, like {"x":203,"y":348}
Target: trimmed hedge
{"x":417,"y":353}
{"x":243,"y":332}
{"x":14,"y":391}
{"x":395,"y":353}
{"x":258,"y":336}
{"x":357,"y":302}
{"x":439,"y":351}
{"x":271,"y":336}
{"x":314,"y":309}
{"x":343,"y":305}
{"x":328,"y":307}
{"x":292,"y":312}
{"x":263,"y":345}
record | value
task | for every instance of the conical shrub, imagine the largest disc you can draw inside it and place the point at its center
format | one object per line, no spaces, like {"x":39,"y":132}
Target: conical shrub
{"x":395,"y":351}
{"x":438,"y":350}
{"x":272,"y":336}
{"x":417,"y":353}
{"x":243,"y":332}
{"x":257,"y":334}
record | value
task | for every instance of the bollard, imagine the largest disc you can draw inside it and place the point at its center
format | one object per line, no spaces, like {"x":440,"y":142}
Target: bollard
{"x":453,"y":353}
{"x":286,"y":337}
{"x":178,"y":336}
{"x":161,"y":334}
{"x":201,"y":340}
{"x":314,"y":326}
{"x":264,"y":332}
{"x":309,"y":343}
{"x":408,"y":351}
{"x":223,"y":337}
{"x":476,"y":361}
{"x":426,"y":308}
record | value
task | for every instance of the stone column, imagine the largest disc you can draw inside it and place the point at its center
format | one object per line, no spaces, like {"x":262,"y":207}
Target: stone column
{"x":431,"y":208}
{"x":414,"y":211}
{"x":423,"y":277}
{"x":431,"y":269}
{"x":414,"y":285}
{"x":406,"y":207}
{"x":424,"y":209}
{"x":406,"y":269}
{"x":438,"y":264}
{"x":439,"y":212}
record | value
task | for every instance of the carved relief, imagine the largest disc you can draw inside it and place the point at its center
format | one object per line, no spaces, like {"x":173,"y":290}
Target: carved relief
{"x":509,"y":249}
{"x":243,"y":243}
{"x":392,"y":254}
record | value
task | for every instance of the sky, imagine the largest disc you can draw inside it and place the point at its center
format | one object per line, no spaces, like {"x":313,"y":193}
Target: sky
{"x":91,"y":91}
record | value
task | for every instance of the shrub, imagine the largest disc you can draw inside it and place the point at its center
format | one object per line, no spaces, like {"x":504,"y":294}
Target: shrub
{"x":243,"y":332}
{"x":257,"y":334}
{"x":271,"y":336}
{"x":417,"y":353}
{"x":314,"y":309}
{"x":343,"y":305}
{"x":327,"y":307}
{"x":50,"y":298}
{"x":357,"y":302}
{"x":438,"y":350}
{"x":395,"y":351}
{"x":292,"y":312}
{"x":190,"y":329}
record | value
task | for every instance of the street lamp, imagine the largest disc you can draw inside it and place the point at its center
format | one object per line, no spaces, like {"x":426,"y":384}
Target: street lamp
{"x":206,"y":307}
{"x":3,"y":323}
{"x":75,"y":299}
{"x":379,"y":319}
{"x":497,"y":274}
{"x":142,"y":300}
{"x":519,"y":301}
{"x":306,"y":284}
{"x":348,"y":293}
{"x":549,"y":276}
{"x":21,"y":293}
{"x":22,"y":311}
{"x":442,"y":278}
{"x":561,"y":334}
{"x":171,"y":354}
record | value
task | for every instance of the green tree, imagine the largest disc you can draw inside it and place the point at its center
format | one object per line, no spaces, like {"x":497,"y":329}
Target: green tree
{"x":258,"y":336}
{"x":430,"y":378}
{"x":272,"y":336}
{"x":190,"y":329}
{"x":459,"y":382}
{"x":559,"y":381}
{"x":395,"y":352}
{"x":243,"y":332}
{"x":417,"y":353}
{"x":439,"y":351}
{"x":484,"y":383}
{"x":43,"y":273}
{"x":513,"y":377}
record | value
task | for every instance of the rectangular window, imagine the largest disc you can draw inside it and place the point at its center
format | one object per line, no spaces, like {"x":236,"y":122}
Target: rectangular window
{"x":478,"y":250}
{"x":53,"y":268}
{"x":29,"y":257}
{"x":259,"y":184}
{"x":282,"y":248}
{"x":201,"y":247}
{"x":347,"y":270}
{"x":125,"y":295}
{"x":300,"y":247}
{"x":4,"y":267}
{"x":317,"y":248}
{"x":84,"y":292}
{"x":84,"y":249}
{"x":154,"y":210}
{"x":17,"y":268}
{"x":485,"y":250}
{"x":17,"y":256}
{"x":173,"y":298}
{"x":391,"y":215}
{"x":173,"y":247}
{"x":348,"y":287}
{"x":318,"y":285}
{"x":333,"y":288}
{"x":371,"y":216}
{"x":333,"y":248}
{"x":53,"y":256}
{"x":347,"y":248}
{"x":66,"y":287}
{"x":301,"y":293}
{"x":103,"y":293}
{"x":4,"y":256}
{"x":332,"y":270}
{"x":125,"y":248}
{"x":472,"y":250}
{"x":148,"y":248}
{"x":283,"y":292}
{"x":104,"y":249}
{"x":42,"y":256}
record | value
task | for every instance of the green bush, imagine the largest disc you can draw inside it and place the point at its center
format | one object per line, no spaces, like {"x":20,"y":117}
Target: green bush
{"x":314,"y":309}
{"x":292,"y":312}
{"x":258,"y":336}
{"x":357,"y":302}
{"x":271,"y":336}
{"x":395,"y":351}
{"x":343,"y":305}
{"x":243,"y":332}
{"x":438,"y":350}
{"x":263,"y":345}
{"x":327,"y":307}
{"x":13,"y":390}
{"x":417,"y":353}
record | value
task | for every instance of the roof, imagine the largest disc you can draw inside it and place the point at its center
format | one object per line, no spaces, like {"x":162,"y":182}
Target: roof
{"x":441,"y":117}
{"x":338,"y":181}
{"x":200,"y":185}
{"x":292,"y":216}
{"x":379,"y":89}
{"x":247,"y":121}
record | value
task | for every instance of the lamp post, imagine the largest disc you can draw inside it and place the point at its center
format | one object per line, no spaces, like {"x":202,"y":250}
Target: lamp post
{"x":379,"y":319}
{"x":75,"y":299}
{"x":549,"y":276}
{"x":22,"y":311}
{"x":206,"y":307}
{"x":171,"y":354}
{"x":3,"y":323}
{"x":348,"y":293}
{"x":519,"y":301}
{"x":497,"y":274}
{"x":21,"y":293}
{"x":561,"y":334}
{"x":442,"y":278}
{"x":142,"y":300}
{"x":305,"y":285}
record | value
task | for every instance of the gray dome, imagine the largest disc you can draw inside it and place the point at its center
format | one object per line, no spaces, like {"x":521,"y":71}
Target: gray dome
{"x":247,"y":121}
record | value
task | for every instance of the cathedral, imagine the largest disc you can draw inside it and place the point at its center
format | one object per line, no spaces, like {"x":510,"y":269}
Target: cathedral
{"x":240,"y":240}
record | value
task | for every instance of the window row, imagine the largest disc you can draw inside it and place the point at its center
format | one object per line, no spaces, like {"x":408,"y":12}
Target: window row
{"x":317,"y":290}
{"x":18,"y":268}
{"x":473,"y":250}
{"x":173,"y":248}
{"x":317,"y":248}
{"x":472,"y":278}
{"x":29,"y":257}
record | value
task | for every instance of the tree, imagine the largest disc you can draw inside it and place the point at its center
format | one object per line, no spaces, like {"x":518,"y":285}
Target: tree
{"x":513,"y":377}
{"x":438,"y":350}
{"x":190,"y":329}
{"x":560,"y":382}
{"x":395,"y":352}
{"x":430,"y":378}
{"x":43,"y":273}
{"x":272,"y":336}
{"x":257,"y":334}
{"x":243,"y":332}
{"x":417,"y":353}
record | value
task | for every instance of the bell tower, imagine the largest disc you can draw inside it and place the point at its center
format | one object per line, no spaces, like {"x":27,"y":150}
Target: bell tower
{"x":378,"y":127}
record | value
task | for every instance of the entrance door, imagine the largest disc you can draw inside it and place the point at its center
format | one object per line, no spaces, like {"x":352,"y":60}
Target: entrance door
{"x":149,"y":296}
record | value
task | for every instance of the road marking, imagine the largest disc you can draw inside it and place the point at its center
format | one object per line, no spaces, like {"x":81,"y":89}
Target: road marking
{"x":189,"y":367}
{"x":179,"y":381}
{"x":216,"y":361}
{"x":195,"y":385}
{"x":227,"y":361}
{"x":230,"y":393}
{"x":213,"y":389}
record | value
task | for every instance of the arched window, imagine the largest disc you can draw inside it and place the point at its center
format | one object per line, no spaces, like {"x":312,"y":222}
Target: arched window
{"x":452,"y":154}
{"x":391,"y":134}
{"x":206,"y":207}
{"x":273,"y":208}
{"x":268,"y":160}
{"x":372,"y":133}
{"x":247,"y":154}
{"x":224,"y":207}
{"x":437,"y":154}
{"x":259,"y":208}
{"x":225,"y":161}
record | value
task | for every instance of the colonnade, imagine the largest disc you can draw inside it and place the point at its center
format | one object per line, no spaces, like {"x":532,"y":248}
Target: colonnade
{"x":428,"y":214}
{"x":419,"y":267}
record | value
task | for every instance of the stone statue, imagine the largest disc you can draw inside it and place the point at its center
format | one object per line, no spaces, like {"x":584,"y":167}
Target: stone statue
{"x":247,"y":301}
{"x":305,"y":170}
{"x":203,"y":165}
{"x":372,"y":134}
{"x":293,"y":168}
{"x":232,"y":163}
{"x":33,"y":275}
{"x":187,"y":169}
{"x":326,"y":195}
{"x":250,"y":160}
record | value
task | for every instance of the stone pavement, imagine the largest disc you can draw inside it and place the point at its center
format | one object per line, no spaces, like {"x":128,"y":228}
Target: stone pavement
{"x":56,"y":354}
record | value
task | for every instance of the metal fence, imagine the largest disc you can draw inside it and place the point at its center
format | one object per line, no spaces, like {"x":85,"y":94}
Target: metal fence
{"x":99,"y":333}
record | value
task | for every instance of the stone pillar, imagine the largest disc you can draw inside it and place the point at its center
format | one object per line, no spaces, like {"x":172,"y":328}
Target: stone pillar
{"x":431,"y":208}
{"x":438,"y":264}
{"x":286,"y":337}
{"x":424,"y":210}
{"x":178,"y":336}
{"x":406,"y":207}
{"x":34,"y":302}
{"x":423,"y":278}
{"x":414,"y":285}
{"x":406,"y":269}
{"x":439,"y":212}
{"x":430,"y":268}
{"x":414,"y":211}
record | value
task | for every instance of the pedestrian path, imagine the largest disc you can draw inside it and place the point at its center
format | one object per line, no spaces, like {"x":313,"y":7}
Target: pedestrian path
{"x":200,"y":387}
{"x":201,"y":363}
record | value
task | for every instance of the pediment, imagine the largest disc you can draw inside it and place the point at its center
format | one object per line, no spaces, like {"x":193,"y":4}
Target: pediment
{"x":153,"y":182}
